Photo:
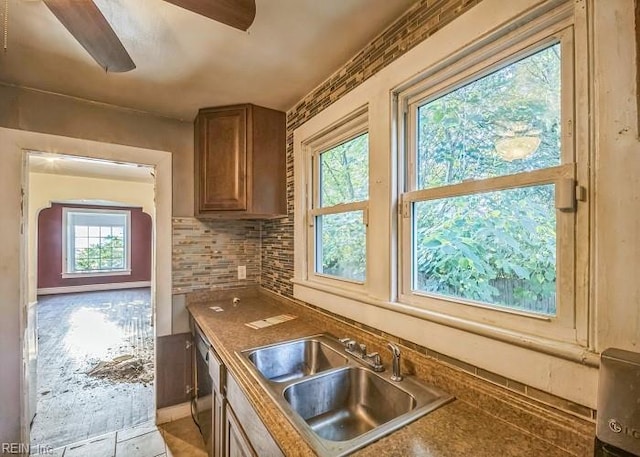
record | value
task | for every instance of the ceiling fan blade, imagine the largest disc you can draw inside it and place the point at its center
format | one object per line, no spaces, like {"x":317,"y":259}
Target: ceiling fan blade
{"x":236,"y":13}
{"x":87,"y":25}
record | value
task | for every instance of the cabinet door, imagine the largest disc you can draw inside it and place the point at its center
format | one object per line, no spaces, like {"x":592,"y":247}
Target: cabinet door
{"x":219,"y":424}
{"x":221,"y":159}
{"x":253,"y":428}
{"x":236,"y":444}
{"x":175,"y":361}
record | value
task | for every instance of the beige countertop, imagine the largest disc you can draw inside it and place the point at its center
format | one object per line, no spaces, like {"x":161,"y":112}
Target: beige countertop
{"x":456,"y":429}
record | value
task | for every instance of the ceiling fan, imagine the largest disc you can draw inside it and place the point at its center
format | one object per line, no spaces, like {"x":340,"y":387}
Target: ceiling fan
{"x":85,"y":22}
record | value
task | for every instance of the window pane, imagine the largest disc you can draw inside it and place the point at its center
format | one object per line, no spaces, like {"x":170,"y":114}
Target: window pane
{"x":102,"y":254}
{"x":497,"y":247}
{"x":506,"y":122}
{"x":80,"y":257}
{"x":98,"y":240}
{"x":81,"y":243}
{"x":344,"y":172}
{"x":341,"y":245}
{"x":81,"y":230}
{"x":86,"y":263}
{"x":115,"y":241}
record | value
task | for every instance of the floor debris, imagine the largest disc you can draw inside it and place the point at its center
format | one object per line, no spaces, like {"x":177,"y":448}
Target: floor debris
{"x":76,"y":333}
{"x":124,"y":368}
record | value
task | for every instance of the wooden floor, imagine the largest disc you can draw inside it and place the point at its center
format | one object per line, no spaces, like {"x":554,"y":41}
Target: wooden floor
{"x":75,"y":333}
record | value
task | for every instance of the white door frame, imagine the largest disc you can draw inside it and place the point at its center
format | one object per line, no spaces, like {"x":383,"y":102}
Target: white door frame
{"x":14,"y":145}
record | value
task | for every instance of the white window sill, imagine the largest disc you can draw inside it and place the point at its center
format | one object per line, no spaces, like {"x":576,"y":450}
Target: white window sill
{"x":96,"y":274}
{"x":325,"y":296}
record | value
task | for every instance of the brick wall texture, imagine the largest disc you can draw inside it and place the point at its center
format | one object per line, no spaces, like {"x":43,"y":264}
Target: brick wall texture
{"x":419,"y":22}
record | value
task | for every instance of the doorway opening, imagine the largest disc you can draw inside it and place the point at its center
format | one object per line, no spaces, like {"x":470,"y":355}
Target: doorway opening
{"x":91,"y":301}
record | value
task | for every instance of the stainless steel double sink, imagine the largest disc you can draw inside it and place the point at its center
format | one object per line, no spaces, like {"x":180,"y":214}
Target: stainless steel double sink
{"x":337,"y":404}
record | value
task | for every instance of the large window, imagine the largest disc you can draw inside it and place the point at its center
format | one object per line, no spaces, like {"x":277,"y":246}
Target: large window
{"x":463,"y":197}
{"x":338,"y":206}
{"x":97,"y":241}
{"x":488,"y":208}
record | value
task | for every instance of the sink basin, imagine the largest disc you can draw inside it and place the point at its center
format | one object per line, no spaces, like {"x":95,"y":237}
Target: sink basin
{"x":337,"y":404}
{"x":347,"y":403}
{"x":293,"y":360}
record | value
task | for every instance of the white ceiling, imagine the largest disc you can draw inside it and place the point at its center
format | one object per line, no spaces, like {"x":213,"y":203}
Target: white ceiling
{"x":185,"y":61}
{"x":58,"y":164}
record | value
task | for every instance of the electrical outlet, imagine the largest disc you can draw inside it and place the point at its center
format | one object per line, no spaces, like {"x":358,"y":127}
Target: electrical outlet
{"x":242,"y":272}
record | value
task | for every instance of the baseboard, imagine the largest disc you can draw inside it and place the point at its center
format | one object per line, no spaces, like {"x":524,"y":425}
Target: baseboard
{"x":93,"y":287}
{"x":173,"y":413}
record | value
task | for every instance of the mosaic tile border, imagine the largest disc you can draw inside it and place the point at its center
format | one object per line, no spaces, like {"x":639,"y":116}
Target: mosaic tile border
{"x":206,"y":254}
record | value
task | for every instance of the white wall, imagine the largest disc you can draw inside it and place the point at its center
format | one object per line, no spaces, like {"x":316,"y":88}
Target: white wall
{"x":45,"y":188}
{"x":13,"y":277}
{"x":616,"y":261}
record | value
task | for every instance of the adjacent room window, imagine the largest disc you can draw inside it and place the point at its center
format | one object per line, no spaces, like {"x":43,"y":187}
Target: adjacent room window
{"x":488,"y":212}
{"x":97,"y":241}
{"x":338,"y":210}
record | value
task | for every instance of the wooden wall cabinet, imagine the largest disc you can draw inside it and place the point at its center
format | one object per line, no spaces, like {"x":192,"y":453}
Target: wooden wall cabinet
{"x":240,"y":162}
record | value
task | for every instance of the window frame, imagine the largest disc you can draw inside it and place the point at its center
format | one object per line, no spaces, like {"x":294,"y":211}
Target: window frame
{"x":346,"y":129}
{"x":498,"y":54}
{"x":472,"y":47}
{"x":67,"y":244}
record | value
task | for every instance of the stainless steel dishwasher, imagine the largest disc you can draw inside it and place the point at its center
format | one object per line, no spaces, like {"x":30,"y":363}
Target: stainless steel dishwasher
{"x":201,"y":404}
{"x":209,"y":402}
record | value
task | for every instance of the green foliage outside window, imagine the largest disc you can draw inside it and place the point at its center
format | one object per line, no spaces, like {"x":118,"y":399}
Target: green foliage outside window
{"x":344,"y":178}
{"x":496,"y":247}
{"x":106,"y":255}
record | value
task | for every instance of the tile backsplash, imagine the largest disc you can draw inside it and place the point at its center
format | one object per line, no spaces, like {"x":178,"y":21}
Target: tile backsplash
{"x":206,"y":254}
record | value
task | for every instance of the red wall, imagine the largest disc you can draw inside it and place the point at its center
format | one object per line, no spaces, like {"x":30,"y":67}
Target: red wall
{"x":50,"y":248}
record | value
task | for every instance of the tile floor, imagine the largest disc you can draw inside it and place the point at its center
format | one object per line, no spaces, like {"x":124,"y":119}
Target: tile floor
{"x":76,"y":332}
{"x":180,"y":438}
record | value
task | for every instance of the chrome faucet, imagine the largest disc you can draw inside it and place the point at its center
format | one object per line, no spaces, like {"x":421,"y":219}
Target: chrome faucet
{"x":359,"y":351}
{"x":395,"y":365}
